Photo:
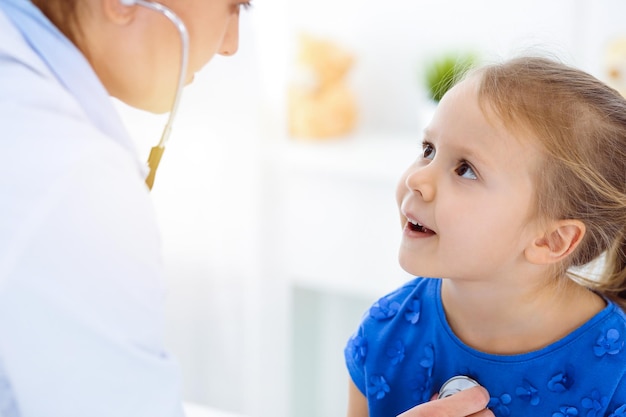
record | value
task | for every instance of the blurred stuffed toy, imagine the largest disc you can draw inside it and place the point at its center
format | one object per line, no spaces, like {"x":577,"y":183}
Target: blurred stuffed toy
{"x":615,"y":64}
{"x":320,"y":103}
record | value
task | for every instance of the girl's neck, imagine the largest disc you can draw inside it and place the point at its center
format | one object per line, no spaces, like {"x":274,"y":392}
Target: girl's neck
{"x":513,"y":320}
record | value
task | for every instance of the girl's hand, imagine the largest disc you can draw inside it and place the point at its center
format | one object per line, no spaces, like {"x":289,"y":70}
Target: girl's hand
{"x":470,"y":402}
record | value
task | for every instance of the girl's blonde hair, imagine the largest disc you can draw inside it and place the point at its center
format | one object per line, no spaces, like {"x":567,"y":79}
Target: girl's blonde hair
{"x":581,"y":125}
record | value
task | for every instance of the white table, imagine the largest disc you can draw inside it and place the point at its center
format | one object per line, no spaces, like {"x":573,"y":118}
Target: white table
{"x":196,"y":410}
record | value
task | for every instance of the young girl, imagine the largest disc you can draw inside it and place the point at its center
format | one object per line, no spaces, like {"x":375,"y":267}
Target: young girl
{"x":521,"y":177}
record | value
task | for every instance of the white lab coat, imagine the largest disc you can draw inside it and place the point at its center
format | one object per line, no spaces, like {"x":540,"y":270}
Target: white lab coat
{"x":81,"y":281}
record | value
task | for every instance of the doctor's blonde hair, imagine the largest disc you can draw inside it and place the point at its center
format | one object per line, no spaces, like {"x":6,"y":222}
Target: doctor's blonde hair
{"x":63,"y":14}
{"x":580,"y":124}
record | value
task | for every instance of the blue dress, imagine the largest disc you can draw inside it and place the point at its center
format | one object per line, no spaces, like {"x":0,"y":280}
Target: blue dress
{"x":404,"y":350}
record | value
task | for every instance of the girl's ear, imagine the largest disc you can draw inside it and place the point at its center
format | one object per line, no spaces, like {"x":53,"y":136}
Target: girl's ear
{"x":115,"y":11}
{"x":557,"y":243}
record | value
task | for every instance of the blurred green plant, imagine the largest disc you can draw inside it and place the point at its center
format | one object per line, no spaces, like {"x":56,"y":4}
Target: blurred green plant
{"x":446,"y":70}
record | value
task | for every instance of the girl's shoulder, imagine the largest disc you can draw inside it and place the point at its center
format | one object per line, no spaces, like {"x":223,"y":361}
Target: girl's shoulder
{"x":620,"y":310}
{"x":404,"y":306}
{"x":415,"y":286}
{"x":418,"y":289}
{"x":613,"y":315}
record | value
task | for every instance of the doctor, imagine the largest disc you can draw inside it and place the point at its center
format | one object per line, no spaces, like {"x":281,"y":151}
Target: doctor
{"x":81,"y":278}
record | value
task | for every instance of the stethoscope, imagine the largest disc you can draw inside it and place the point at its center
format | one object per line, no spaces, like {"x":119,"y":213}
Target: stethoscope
{"x":157,"y":151}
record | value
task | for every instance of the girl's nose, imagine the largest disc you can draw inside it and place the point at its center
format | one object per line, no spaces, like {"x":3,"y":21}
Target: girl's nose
{"x":422,"y":181}
{"x":230,"y":42}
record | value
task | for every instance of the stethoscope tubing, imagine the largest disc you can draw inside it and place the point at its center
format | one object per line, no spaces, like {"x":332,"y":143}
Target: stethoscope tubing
{"x":157,"y":151}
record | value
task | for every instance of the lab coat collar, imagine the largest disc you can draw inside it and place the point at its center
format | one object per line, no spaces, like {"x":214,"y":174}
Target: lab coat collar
{"x":69,"y":66}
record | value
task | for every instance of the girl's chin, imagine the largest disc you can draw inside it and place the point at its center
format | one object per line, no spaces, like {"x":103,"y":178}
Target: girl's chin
{"x":410,"y":268}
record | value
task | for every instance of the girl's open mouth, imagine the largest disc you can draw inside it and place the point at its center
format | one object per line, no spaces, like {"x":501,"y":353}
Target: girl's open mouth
{"x":417,"y":227}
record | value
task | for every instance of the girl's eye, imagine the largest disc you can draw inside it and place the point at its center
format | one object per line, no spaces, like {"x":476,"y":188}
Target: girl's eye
{"x":428,"y":151}
{"x":466,"y":171}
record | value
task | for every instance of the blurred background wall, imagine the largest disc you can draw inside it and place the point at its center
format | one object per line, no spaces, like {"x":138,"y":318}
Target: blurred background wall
{"x":275,"y":246}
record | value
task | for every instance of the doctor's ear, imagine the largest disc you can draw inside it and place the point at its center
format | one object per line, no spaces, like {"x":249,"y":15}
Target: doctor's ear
{"x":560,"y":239}
{"x":120,"y":12}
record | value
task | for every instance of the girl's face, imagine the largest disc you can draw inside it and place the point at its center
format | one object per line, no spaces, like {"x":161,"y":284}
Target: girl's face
{"x":466,"y":203}
{"x":136,"y":51}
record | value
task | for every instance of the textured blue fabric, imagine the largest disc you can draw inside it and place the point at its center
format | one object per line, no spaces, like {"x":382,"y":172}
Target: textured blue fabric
{"x":404,"y":350}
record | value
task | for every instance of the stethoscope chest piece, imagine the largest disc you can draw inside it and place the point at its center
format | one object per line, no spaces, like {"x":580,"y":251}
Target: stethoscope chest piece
{"x":456,"y":384}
